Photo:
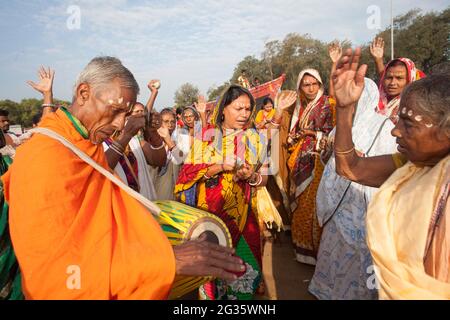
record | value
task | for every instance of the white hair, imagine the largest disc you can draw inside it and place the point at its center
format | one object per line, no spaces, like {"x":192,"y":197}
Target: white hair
{"x":101,"y":71}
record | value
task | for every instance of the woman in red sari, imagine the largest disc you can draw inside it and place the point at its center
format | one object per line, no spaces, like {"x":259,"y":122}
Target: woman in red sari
{"x":220,"y":175}
{"x":394,"y":77}
{"x":397,"y":74}
{"x":312,"y":120}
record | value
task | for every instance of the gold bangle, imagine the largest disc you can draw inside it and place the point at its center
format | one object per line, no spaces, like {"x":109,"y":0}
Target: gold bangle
{"x":118,"y":146}
{"x":258,"y":180}
{"x":344,"y":152}
{"x":275,"y":123}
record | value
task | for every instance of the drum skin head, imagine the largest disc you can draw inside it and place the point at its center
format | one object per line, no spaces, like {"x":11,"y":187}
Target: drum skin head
{"x":210,"y":226}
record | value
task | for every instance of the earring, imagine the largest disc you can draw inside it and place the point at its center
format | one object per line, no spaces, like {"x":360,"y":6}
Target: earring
{"x":222,"y":118}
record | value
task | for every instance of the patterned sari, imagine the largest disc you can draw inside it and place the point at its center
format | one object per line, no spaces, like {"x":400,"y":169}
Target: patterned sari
{"x":305,"y":172}
{"x":129,"y":165}
{"x":228,"y":199}
{"x":10,"y":279}
{"x":344,"y":261}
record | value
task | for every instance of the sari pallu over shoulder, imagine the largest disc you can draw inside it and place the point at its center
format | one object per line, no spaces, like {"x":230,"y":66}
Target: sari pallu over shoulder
{"x":389,"y":107}
{"x":372,"y":136}
{"x":231,"y":201}
{"x":319,"y":118}
{"x":397,"y":231}
{"x":220,"y":193}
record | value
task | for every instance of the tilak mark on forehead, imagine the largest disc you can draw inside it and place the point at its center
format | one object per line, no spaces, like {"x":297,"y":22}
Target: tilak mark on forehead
{"x":119,"y":101}
{"x":417,"y":118}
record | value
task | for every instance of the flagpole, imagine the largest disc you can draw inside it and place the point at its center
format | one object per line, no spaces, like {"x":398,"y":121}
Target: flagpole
{"x":392,"y":30}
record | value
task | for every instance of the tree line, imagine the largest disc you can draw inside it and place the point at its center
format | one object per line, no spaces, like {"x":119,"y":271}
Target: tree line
{"x":23,"y":112}
{"x":423,"y":38}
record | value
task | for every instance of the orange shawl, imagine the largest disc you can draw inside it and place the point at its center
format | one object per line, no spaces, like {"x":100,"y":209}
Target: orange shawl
{"x":75,"y":234}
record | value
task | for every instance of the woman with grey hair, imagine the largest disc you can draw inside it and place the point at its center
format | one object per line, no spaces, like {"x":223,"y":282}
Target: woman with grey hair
{"x":408,"y":225}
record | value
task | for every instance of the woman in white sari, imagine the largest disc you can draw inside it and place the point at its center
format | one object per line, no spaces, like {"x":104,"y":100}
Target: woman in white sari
{"x":166,"y":176}
{"x":343,"y":263}
{"x":129,"y":154}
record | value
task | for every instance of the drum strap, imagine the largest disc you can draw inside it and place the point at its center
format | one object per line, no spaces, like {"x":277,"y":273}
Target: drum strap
{"x":154,"y":209}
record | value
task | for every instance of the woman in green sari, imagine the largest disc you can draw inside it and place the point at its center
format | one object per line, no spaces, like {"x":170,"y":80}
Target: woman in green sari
{"x":10,"y":284}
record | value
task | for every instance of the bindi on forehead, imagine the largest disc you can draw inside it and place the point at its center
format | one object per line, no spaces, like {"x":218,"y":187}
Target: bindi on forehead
{"x":239,"y":104}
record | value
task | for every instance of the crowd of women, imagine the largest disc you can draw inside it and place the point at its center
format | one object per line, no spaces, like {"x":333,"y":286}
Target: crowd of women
{"x":372,"y":220}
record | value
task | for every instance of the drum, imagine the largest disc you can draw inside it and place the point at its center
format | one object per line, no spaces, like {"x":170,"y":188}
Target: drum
{"x":182,"y":223}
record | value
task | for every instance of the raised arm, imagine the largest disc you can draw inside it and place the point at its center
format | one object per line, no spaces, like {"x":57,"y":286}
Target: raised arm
{"x":283,"y":100}
{"x":377,"y":52}
{"x":153,"y":86}
{"x":132,"y":127}
{"x":348,"y":82}
{"x":45,"y":87}
{"x":335,"y":53}
{"x":201,"y":108}
{"x":153,"y":145}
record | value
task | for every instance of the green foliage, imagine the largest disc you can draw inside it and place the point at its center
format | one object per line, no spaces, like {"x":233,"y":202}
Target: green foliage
{"x":186,"y":95}
{"x":215,"y":91}
{"x":23,"y":112}
{"x":422,"y":38}
{"x":254,"y":69}
{"x":425,"y":39}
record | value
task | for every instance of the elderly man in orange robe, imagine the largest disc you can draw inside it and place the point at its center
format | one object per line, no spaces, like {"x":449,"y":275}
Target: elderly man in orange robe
{"x":77,"y":235}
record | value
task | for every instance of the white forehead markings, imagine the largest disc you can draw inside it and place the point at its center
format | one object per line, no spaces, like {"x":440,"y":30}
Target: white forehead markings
{"x":110,"y":101}
{"x":120,"y":100}
{"x":418,"y":118}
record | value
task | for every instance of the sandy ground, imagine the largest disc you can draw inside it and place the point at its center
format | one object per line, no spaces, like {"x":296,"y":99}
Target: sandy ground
{"x":285,"y":278}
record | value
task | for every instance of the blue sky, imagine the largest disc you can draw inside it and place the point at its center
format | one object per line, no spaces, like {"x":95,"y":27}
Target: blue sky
{"x":194,"y":41}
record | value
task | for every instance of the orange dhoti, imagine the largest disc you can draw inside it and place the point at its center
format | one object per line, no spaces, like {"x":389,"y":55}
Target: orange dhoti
{"x":75,"y":234}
